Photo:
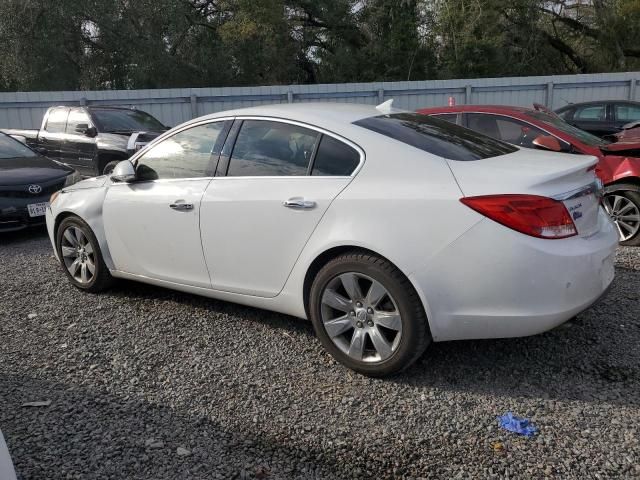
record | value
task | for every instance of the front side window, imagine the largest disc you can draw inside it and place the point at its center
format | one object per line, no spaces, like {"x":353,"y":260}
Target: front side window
{"x":335,"y":158}
{"x":187,"y":154}
{"x":437,"y":137}
{"x":57,"y":120}
{"x":506,"y":129}
{"x":78,"y":121}
{"x":627,"y":112}
{"x":268,"y":148}
{"x":591,"y":112}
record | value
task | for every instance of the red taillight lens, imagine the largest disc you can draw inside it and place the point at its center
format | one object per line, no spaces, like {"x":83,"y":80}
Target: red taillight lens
{"x":540,"y":217}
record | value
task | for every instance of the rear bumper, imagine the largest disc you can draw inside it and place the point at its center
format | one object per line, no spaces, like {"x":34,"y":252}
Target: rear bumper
{"x":493,"y":282}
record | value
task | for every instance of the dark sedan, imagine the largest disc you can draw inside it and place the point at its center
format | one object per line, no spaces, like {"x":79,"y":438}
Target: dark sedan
{"x":27,"y":180}
{"x":601,"y":118}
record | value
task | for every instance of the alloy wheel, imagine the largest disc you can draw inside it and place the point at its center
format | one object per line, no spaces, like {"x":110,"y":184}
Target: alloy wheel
{"x":78,"y":255}
{"x":361,"y":317}
{"x":624,"y":213}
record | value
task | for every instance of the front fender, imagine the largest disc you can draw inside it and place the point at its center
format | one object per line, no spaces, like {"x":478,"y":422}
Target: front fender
{"x":86,"y":203}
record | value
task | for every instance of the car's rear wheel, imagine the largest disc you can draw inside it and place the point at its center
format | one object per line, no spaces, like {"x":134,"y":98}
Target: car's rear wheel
{"x":80,"y":256}
{"x":367,"y":314}
{"x":623,"y":206}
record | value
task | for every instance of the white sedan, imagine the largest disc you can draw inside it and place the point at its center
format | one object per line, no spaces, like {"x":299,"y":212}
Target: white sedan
{"x":388,"y":229}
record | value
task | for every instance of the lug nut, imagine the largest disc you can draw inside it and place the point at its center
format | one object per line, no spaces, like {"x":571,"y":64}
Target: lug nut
{"x":370,"y":311}
{"x":370,"y":323}
{"x":359,"y":324}
{"x":358,"y":304}
{"x":352,"y":313}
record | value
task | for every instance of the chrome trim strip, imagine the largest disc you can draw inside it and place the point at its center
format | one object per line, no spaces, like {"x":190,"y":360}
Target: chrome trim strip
{"x":594,"y":187}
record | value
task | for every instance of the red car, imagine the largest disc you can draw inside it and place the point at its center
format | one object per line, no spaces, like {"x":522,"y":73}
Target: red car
{"x":618,"y":168}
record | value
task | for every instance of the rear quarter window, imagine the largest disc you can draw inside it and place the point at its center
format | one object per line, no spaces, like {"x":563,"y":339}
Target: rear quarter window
{"x":436,"y":136}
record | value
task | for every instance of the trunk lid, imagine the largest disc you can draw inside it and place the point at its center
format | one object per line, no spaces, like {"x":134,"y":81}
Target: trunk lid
{"x":567,"y":178}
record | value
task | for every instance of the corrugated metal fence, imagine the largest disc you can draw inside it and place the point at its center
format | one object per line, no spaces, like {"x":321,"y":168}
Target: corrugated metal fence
{"x":174,"y":106}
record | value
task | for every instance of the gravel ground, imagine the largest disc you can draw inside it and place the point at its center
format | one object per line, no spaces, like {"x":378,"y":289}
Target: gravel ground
{"x":149,"y":383}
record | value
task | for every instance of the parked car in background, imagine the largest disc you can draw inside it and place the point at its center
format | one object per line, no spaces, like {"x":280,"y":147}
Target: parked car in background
{"x":600,"y":118}
{"x":91,"y":139}
{"x":27,"y":180}
{"x":381,"y":226}
{"x":618,"y":166}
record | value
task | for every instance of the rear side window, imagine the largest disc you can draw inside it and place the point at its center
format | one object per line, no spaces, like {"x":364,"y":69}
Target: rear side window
{"x":267,"y":148}
{"x":437,"y":137}
{"x":627,"y":112}
{"x":449,"y":117}
{"x":57,"y":120}
{"x":591,"y":112}
{"x":335,"y":158}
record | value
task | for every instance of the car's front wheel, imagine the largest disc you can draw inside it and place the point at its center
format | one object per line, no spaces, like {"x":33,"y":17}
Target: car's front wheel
{"x":80,"y":256}
{"x":367,"y":314}
{"x":623,"y":206}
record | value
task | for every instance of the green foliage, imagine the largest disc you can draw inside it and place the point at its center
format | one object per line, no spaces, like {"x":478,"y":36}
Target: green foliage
{"x":114,"y":44}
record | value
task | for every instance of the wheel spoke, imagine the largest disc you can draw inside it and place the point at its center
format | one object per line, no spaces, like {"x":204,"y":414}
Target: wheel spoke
{"x":88,"y":248}
{"x":375,"y":294}
{"x":73,"y":268}
{"x":91,"y":266}
{"x":382,"y":346}
{"x":79,"y":236}
{"x":626,"y":226}
{"x":70,"y":237}
{"x":337,"y":326}
{"x":336,"y":301}
{"x":84,"y":273}
{"x":622,"y":235}
{"x":616,"y":203}
{"x":634,"y":217}
{"x":626,"y":208}
{"x":389,"y":320}
{"x":351,"y":285}
{"x":69,"y":252}
{"x":356,"y":348}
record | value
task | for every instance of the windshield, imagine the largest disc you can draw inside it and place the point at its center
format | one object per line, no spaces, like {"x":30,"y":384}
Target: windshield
{"x":111,"y":120}
{"x":12,"y":148}
{"x":564,"y":127}
{"x":436,"y":136}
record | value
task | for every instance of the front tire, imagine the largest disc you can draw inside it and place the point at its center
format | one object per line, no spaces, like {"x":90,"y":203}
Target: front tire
{"x":623,"y":206}
{"x":80,"y":256}
{"x":367,"y":314}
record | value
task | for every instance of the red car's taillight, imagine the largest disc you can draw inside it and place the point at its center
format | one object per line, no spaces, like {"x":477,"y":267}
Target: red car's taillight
{"x":533,"y":215}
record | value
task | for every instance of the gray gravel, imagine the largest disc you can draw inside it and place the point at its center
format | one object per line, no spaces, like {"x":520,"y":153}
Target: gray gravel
{"x":149,"y":383}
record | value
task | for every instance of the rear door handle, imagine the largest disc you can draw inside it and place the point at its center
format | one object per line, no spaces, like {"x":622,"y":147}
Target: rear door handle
{"x":182,"y":207}
{"x":299,"y":203}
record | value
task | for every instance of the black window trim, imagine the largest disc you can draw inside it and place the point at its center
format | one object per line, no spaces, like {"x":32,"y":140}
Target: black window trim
{"x":227,"y":126}
{"x":227,"y":151}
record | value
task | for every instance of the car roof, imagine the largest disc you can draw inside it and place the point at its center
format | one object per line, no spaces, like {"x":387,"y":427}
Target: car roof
{"x":595,"y":102}
{"x":320,"y":114}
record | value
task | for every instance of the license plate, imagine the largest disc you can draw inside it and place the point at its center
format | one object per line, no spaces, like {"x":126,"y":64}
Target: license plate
{"x":37,"y":209}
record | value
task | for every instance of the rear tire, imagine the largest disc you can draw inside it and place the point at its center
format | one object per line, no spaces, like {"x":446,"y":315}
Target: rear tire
{"x":378,"y":326}
{"x":623,"y":206}
{"x":80,"y":256}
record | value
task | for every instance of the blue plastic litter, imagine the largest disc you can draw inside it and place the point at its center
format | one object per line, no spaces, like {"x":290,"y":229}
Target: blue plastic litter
{"x":518,"y":425}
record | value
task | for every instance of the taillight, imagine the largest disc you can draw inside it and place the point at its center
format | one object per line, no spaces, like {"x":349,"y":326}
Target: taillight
{"x":533,"y":215}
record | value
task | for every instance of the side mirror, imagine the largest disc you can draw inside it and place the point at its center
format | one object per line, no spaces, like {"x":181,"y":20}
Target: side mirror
{"x":548,"y":142}
{"x":91,"y":132}
{"x":123,"y":172}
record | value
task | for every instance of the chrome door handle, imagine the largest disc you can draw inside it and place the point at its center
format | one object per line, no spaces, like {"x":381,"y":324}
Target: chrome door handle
{"x":299,"y":203}
{"x":182,"y":207}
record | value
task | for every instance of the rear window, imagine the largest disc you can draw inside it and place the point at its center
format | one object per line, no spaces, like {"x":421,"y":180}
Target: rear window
{"x":436,"y":136}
